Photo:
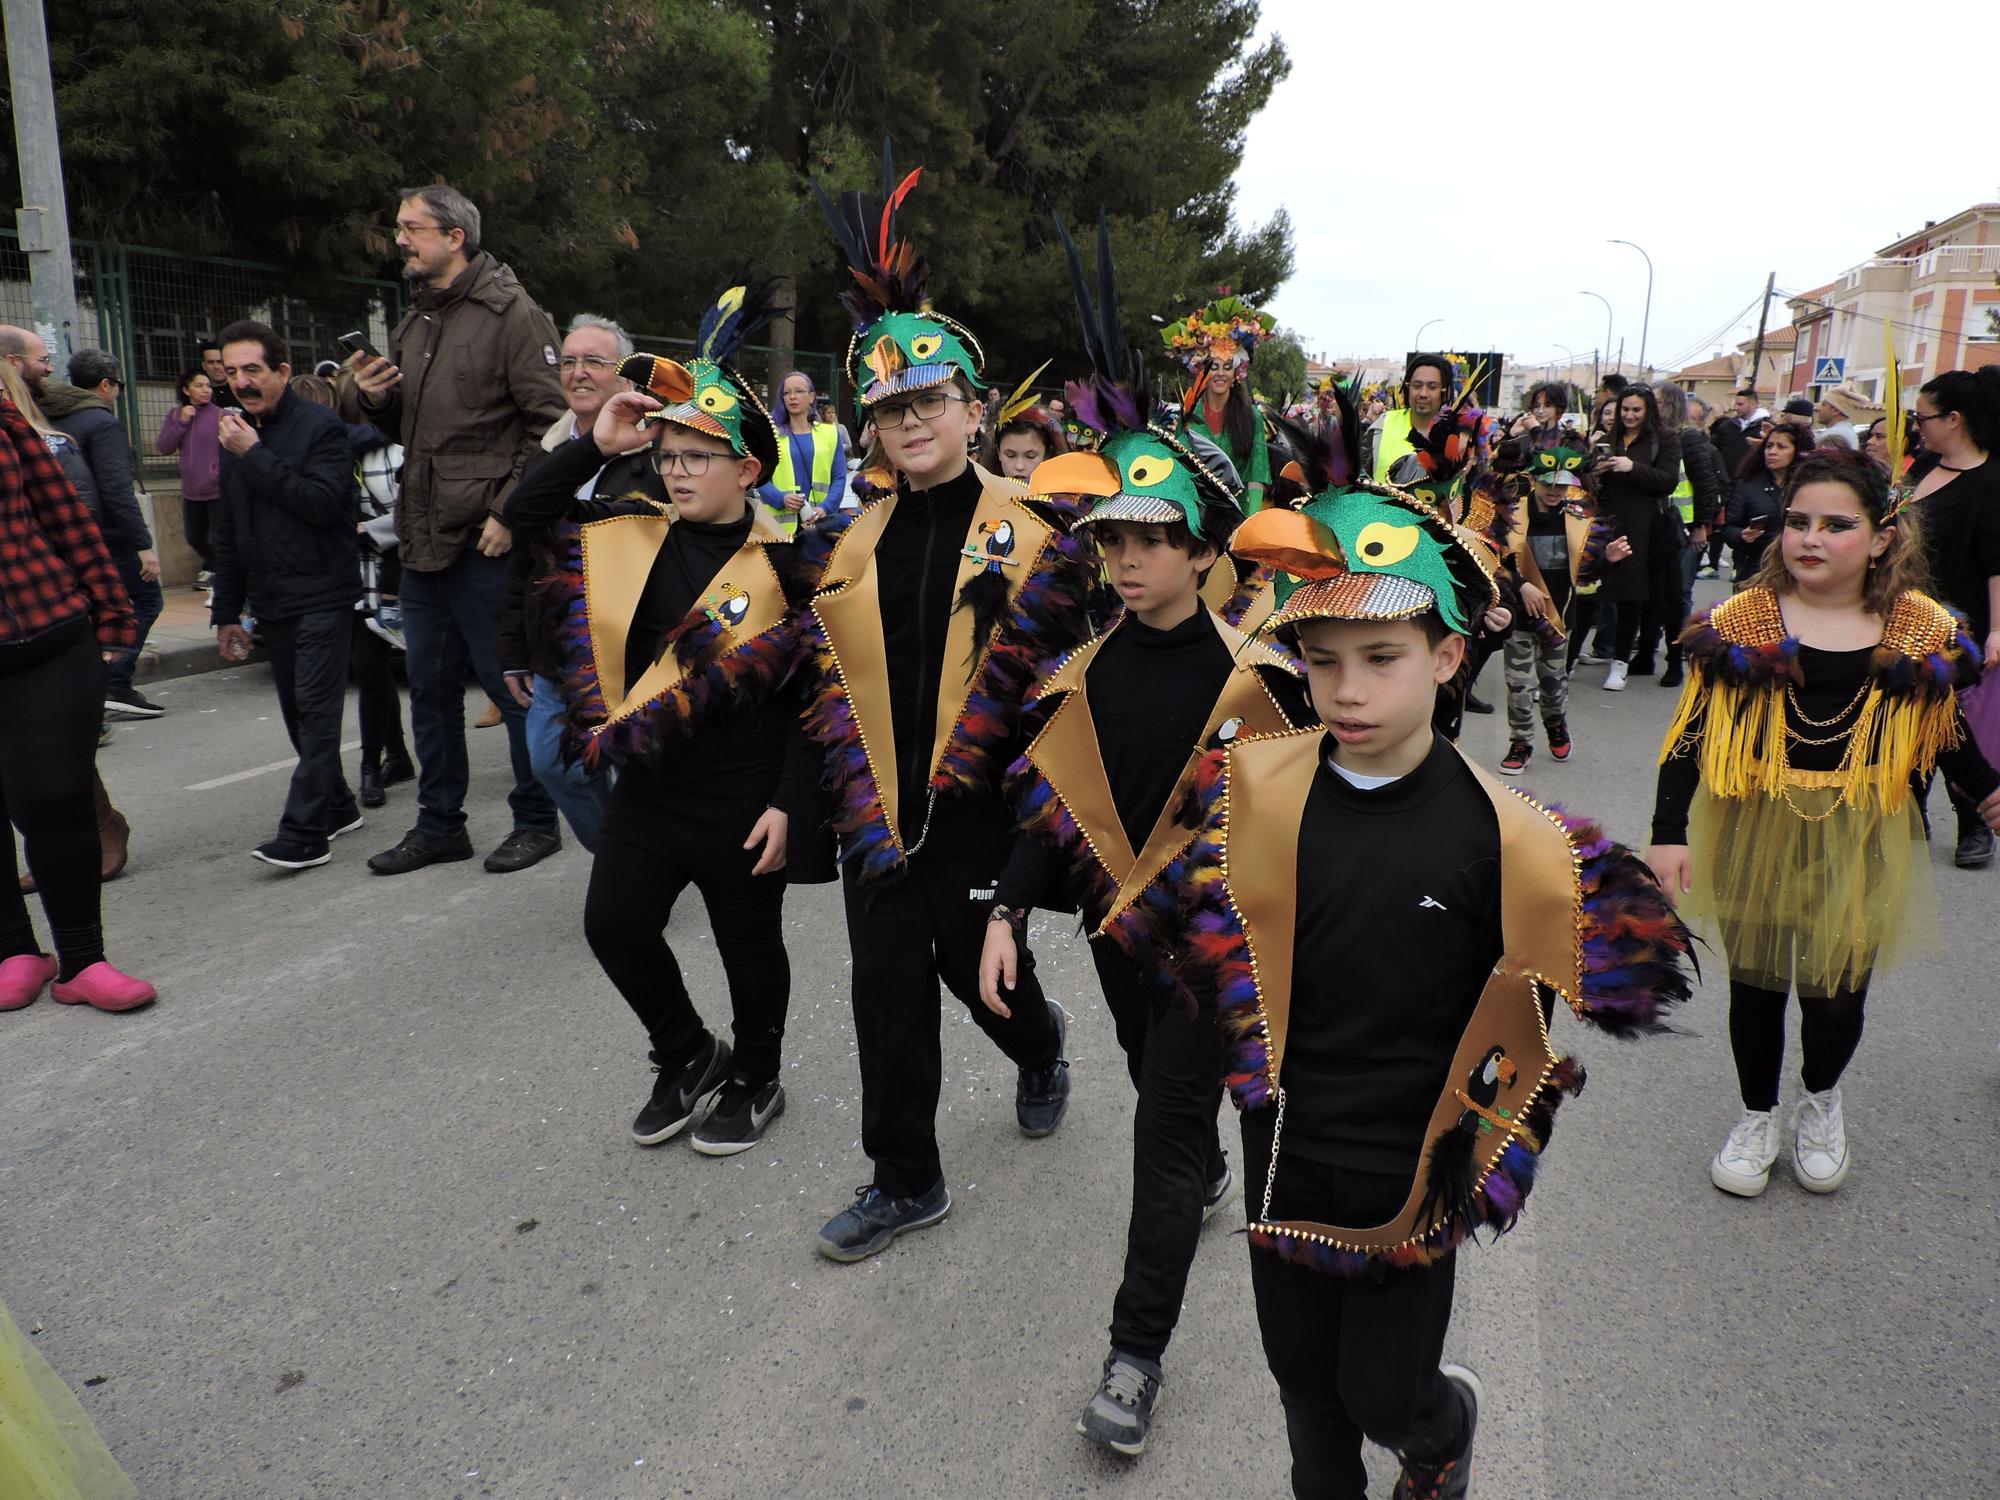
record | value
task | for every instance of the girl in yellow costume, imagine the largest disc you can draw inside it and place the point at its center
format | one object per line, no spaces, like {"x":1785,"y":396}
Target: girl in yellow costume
{"x":1814,"y":698}
{"x":48,"y":1449}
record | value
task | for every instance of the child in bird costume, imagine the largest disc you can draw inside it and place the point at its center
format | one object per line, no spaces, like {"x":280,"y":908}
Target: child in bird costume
{"x":1119,"y":727}
{"x":1814,"y":699}
{"x":938,"y":601}
{"x":683,"y":650}
{"x":1385,"y":929}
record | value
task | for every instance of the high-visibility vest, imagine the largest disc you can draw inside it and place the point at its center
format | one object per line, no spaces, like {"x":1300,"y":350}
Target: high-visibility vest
{"x":825,"y":438}
{"x":1393,"y":443}
{"x":1683,"y":496}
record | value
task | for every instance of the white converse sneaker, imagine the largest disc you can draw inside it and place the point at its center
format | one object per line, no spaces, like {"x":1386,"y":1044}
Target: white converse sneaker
{"x":1819,"y":1143}
{"x":1743,"y":1165}
{"x":1614,"y":677}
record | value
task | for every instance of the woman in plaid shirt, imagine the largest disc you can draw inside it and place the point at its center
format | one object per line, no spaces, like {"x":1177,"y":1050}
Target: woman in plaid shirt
{"x":62,"y":614}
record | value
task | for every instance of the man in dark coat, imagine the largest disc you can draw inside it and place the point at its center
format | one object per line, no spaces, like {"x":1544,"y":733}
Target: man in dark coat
{"x":284,"y":536}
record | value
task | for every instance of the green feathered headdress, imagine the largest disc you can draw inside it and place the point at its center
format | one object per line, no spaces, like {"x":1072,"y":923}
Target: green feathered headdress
{"x":709,"y":395}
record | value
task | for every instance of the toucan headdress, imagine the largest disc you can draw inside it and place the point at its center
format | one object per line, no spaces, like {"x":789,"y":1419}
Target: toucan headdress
{"x":709,"y":395}
{"x":1353,"y":550}
{"x":900,"y":342}
{"x":1141,"y":470}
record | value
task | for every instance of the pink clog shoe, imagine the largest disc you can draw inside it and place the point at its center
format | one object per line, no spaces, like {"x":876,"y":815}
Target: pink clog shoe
{"x":104,"y":987}
{"x":23,"y":978}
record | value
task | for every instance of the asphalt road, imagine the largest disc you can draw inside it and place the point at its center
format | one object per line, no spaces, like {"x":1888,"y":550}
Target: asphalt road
{"x":353,"y":1210}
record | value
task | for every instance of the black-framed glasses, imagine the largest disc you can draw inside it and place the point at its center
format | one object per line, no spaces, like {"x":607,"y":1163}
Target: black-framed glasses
{"x":924,"y":407}
{"x":597,"y":364}
{"x":694,"y":464}
{"x":1931,"y":416}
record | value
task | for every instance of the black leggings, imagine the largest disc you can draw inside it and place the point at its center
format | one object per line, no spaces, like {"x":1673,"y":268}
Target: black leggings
{"x":1625,"y":621}
{"x":1829,"y":1031}
{"x":381,"y":705}
{"x":656,"y":842}
{"x":51,"y":701}
{"x":194,"y":526}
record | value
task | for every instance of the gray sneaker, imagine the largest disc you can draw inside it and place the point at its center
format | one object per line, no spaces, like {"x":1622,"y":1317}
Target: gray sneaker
{"x":1120,"y":1415}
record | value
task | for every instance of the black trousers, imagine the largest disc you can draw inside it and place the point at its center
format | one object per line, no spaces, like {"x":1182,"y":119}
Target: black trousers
{"x":925,"y":928}
{"x":51,"y":703}
{"x":194,"y":527}
{"x":380,"y":705}
{"x":309,"y":656}
{"x":658,"y":840}
{"x":1175,"y":1060}
{"x":1352,"y":1358}
{"x":1829,"y":1033}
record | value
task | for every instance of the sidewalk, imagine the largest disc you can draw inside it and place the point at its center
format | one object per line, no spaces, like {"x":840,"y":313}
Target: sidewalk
{"x":182,"y":642}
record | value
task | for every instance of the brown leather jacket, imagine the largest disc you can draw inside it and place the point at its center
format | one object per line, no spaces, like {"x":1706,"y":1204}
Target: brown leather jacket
{"x":479,"y":388}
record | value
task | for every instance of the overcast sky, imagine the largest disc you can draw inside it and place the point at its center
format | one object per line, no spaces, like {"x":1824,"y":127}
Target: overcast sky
{"x":1473,"y":166}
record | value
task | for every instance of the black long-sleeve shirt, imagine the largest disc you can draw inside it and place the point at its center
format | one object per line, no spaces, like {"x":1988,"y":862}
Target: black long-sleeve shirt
{"x":1832,"y":678}
{"x":1397,"y":932}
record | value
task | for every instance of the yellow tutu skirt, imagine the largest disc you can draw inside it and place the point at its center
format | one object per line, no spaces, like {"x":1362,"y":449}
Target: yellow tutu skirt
{"x":48,"y":1449}
{"x":1801,"y":891}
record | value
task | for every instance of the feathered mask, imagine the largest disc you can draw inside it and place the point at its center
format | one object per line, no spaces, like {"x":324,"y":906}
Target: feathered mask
{"x":1436,"y":468}
{"x":900,"y":344}
{"x":1227,"y":331}
{"x":1361,"y":551}
{"x":1141,"y":471}
{"x":709,"y":395}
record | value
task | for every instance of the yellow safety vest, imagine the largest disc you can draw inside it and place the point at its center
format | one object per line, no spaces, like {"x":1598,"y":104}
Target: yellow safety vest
{"x":1684,"y":496}
{"x":825,"y":437}
{"x":1394,"y":442}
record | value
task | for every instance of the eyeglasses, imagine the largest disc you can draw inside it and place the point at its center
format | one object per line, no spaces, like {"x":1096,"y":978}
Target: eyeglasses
{"x":597,"y":364}
{"x":1932,"y":416}
{"x":924,"y":408}
{"x":693,"y":464}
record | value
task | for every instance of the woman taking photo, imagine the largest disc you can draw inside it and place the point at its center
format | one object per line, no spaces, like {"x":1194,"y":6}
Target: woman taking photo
{"x":66,"y":615}
{"x":1759,"y":497}
{"x":1957,"y":493}
{"x":189,"y":434}
{"x":1634,"y":478}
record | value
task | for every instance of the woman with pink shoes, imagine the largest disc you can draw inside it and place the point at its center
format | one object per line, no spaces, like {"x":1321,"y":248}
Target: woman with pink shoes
{"x":63,"y":612}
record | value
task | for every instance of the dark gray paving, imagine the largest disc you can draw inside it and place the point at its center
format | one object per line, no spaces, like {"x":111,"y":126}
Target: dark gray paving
{"x":353,"y":1212}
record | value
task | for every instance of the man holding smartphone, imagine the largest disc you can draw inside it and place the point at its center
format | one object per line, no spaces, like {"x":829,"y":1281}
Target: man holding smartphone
{"x":469,"y":386}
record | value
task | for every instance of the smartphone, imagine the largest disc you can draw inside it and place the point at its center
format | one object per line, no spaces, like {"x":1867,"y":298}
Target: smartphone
{"x":357,"y":343}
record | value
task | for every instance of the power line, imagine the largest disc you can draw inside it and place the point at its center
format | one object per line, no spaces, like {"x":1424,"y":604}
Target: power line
{"x":1924,"y":328}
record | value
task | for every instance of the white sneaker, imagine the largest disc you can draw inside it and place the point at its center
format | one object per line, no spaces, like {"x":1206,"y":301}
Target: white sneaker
{"x":1743,"y":1165}
{"x":1819,"y":1143}
{"x":1614,"y":677}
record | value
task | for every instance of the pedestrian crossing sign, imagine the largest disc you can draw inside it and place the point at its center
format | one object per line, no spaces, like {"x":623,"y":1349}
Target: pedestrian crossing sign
{"x":1829,"y":371}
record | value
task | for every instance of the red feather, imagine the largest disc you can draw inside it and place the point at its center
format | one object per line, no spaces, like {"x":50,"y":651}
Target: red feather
{"x":889,"y":212}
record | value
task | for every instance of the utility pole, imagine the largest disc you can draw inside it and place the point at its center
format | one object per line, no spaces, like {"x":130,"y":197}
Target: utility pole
{"x":43,"y":218}
{"x":1763,"y":312}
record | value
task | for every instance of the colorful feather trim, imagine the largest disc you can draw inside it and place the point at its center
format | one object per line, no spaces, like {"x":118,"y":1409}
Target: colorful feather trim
{"x":1633,"y":943}
{"x":745,"y":674}
{"x":1046,"y":616}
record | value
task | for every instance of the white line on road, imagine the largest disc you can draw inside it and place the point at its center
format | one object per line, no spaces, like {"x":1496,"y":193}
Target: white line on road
{"x":236,"y":776}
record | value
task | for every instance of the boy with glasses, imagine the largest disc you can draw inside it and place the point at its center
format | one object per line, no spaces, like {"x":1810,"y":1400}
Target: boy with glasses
{"x":938,"y":602}
{"x":682,"y":635}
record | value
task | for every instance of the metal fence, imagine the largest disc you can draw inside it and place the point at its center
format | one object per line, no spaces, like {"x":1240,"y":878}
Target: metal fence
{"x":761,"y":365}
{"x":153,"y":308}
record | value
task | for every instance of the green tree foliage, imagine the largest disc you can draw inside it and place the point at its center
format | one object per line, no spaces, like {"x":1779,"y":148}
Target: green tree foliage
{"x":630,"y":154}
{"x":1278,"y":369}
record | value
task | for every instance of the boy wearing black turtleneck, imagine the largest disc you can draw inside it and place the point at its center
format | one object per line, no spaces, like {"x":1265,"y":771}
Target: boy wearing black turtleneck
{"x":1132,"y":713}
{"x":935,"y":604}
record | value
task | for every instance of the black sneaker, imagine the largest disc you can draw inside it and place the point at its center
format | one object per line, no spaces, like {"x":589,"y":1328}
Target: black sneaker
{"x":1515,"y":761}
{"x":741,"y":1112}
{"x":1672,"y":677}
{"x":1120,"y":1415}
{"x":1474,"y":704}
{"x":1218,"y":1191}
{"x":293,"y":854}
{"x":1041,"y":1096}
{"x":522,"y":848}
{"x":350,"y":821}
{"x":125,"y":703}
{"x":1975,"y":849}
{"x":678,"y":1094}
{"x":866,"y":1226}
{"x":1448,"y":1478}
{"x":420,"y":849}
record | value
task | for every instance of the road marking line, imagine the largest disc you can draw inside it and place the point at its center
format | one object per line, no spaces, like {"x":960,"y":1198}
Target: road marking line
{"x":235,"y":776}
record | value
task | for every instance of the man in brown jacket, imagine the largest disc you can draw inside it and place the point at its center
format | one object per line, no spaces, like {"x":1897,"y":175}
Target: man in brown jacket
{"x":470,"y":385}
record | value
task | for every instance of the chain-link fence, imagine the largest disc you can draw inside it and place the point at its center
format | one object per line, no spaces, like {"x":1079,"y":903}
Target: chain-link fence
{"x":761,"y":365}
{"x":153,"y":309}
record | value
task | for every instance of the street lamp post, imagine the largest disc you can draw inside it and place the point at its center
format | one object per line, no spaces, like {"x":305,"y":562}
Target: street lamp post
{"x":1645,"y":322}
{"x":1607,"y":318}
{"x":1572,"y":362}
{"x":1417,"y":343}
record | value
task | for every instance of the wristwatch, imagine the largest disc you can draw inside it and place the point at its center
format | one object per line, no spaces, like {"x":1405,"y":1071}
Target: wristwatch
{"x":1013,"y":916}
